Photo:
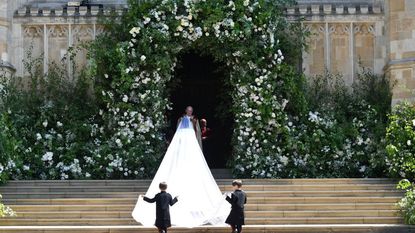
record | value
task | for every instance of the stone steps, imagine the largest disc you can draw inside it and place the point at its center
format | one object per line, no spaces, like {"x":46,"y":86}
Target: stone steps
{"x":257,"y":194}
{"x":249,"y":221}
{"x":284,"y":205}
{"x":40,"y":214}
{"x":248,"y":207}
{"x":143,"y":187}
{"x":338,"y":228}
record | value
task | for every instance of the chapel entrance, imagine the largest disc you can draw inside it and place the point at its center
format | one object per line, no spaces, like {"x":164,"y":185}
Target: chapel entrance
{"x":201,"y":82}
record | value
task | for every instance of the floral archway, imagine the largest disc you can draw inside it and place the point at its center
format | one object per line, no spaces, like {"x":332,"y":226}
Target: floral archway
{"x":132,"y":77}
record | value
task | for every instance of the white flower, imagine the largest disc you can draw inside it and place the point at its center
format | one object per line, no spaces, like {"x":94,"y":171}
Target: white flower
{"x":246,"y":2}
{"x":59,"y":124}
{"x":290,"y":124}
{"x":408,"y":142}
{"x":284,"y":160}
{"x":359,"y":141}
{"x":413,"y":122}
{"x":125,"y":98}
{"x":106,"y":75}
{"x":45,"y":123}
{"x":38,"y":136}
{"x":87,"y":175}
{"x":134,"y":31}
{"x":147,"y":20}
{"x":284,"y":103}
{"x":26,"y":168}
{"x":118,"y":142}
{"x":143,"y":58}
{"x":48,"y":156}
{"x":184,"y":22}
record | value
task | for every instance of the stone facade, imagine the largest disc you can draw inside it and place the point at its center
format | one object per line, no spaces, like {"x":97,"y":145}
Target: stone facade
{"x":345,"y":35}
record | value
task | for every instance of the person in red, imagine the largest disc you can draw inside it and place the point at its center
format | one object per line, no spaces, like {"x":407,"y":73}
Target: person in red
{"x":205,"y":130}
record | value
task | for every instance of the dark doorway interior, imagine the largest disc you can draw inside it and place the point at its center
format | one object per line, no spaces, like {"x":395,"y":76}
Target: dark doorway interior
{"x":200,"y":82}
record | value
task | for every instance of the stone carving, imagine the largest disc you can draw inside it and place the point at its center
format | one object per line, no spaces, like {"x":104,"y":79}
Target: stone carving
{"x":33,"y":31}
{"x":57,"y":31}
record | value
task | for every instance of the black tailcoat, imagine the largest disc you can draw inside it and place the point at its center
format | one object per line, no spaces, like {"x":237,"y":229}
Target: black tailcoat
{"x":163,"y":202}
{"x":237,"y":215}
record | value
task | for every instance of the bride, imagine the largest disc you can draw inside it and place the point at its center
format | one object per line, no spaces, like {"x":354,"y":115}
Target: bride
{"x":185,"y":170}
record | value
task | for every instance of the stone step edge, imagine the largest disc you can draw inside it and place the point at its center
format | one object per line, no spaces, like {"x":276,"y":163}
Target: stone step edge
{"x":288,"y":226}
{"x":218,"y":180}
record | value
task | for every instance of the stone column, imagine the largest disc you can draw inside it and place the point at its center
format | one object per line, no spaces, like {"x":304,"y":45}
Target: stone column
{"x":4,"y":35}
{"x":400,"y":25}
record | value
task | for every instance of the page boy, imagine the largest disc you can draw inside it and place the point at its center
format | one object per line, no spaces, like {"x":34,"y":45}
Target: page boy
{"x":237,"y":199}
{"x":163,"y":202}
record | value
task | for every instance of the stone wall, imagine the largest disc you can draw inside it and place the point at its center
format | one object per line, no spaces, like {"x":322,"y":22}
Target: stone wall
{"x":400,"y":29}
{"x":345,"y":35}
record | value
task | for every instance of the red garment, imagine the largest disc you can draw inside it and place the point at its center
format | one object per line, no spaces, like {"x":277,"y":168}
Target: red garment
{"x":205,"y":132}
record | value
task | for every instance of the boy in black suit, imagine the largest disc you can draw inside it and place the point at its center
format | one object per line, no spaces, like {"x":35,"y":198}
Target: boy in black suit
{"x":163,"y":202}
{"x":237,"y":199}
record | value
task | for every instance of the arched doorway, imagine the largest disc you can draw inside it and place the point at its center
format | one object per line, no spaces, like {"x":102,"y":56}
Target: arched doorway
{"x":200,"y":81}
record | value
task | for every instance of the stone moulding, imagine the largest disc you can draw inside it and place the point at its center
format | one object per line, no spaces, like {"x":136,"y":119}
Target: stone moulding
{"x":81,"y":11}
{"x":334,"y":9}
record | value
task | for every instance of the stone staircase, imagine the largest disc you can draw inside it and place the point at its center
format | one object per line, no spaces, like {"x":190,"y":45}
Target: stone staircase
{"x":283,"y":205}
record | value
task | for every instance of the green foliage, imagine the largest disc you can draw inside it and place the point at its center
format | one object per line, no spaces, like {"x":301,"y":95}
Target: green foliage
{"x":399,"y":139}
{"x":342,"y":133}
{"x":407,"y":204}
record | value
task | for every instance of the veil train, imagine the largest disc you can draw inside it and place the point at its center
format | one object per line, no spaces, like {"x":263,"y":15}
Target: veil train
{"x":188,"y":176}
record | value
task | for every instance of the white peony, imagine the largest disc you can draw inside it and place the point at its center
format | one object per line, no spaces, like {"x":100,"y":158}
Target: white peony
{"x":48,"y":156}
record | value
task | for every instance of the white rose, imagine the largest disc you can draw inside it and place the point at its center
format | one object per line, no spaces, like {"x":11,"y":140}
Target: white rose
{"x":125,"y":98}
{"x":59,"y":124}
{"x":45,"y":123}
{"x":409,"y":142}
{"x":143,"y":58}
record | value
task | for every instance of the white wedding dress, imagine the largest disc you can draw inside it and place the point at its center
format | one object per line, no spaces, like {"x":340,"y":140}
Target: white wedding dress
{"x":188,"y":176}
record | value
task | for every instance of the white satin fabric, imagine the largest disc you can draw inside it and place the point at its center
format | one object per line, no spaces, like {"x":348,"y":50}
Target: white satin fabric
{"x":188,"y":176}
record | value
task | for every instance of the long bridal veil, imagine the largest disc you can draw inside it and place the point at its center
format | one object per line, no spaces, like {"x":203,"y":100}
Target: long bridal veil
{"x":188,"y":176}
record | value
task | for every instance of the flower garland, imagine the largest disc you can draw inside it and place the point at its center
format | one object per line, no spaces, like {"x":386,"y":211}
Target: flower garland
{"x":239,"y":33}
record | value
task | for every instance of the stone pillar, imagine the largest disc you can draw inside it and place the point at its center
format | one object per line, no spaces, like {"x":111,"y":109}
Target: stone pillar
{"x":4,"y":34}
{"x":400,"y":24}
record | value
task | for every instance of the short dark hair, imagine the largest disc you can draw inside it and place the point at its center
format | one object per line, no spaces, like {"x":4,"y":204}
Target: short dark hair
{"x":237,"y":183}
{"x":163,"y":186}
